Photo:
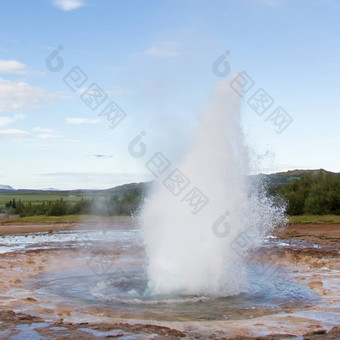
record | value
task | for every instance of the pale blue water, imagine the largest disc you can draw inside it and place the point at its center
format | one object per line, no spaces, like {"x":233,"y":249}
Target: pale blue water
{"x":63,"y":239}
{"x":114,"y":277}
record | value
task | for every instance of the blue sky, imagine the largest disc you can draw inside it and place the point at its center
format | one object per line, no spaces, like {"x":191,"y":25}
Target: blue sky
{"x":154,"y":59}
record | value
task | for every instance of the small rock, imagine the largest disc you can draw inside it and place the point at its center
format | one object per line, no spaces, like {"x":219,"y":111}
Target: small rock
{"x":31,"y":299}
{"x":335,"y":331}
{"x":313,"y":332}
{"x":320,"y":331}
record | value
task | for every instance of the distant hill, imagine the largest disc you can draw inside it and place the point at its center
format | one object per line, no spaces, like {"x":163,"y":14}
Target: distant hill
{"x":130,"y":188}
{"x":283,"y":178}
{"x":276,"y":179}
{"x":6,"y":187}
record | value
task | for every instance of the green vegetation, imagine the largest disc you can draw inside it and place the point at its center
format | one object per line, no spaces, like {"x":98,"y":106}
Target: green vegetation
{"x":312,"y":196}
{"x":38,"y":196}
{"x":314,"y":219}
{"x":284,"y":178}
{"x":315,"y":195}
{"x":66,"y":219}
{"x":100,"y":205}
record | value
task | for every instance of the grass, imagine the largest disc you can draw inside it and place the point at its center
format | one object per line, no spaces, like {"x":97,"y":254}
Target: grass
{"x":303,"y":219}
{"x":36,"y":197}
{"x":66,"y":219}
{"x":315,"y":219}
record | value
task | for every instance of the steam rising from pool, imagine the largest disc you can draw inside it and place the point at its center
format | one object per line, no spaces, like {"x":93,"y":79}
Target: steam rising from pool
{"x":203,"y":254}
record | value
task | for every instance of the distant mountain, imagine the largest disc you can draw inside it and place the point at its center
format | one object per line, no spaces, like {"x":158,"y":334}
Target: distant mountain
{"x":283,"y":178}
{"x":6,"y":187}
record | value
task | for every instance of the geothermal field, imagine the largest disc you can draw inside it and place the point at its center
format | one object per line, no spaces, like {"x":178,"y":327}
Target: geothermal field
{"x":84,"y":283}
{"x":226,"y":266}
{"x":169,"y":169}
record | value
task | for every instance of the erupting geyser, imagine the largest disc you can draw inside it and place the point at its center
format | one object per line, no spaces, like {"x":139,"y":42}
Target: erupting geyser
{"x":187,"y":253}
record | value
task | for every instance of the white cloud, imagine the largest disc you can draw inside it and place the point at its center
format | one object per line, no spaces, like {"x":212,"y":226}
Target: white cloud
{"x":81,"y":121}
{"x":116,"y":91}
{"x":48,"y":136}
{"x":44,"y":130}
{"x":9,"y":120}
{"x":19,"y":96}
{"x":68,"y":5}
{"x":164,"y":49}
{"x":46,"y":133}
{"x":14,"y":133}
{"x":12,"y":67}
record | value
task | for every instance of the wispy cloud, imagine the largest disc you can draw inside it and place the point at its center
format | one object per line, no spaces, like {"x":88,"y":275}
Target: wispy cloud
{"x":47,"y":136}
{"x":14,"y":133}
{"x":164,"y":49}
{"x":116,"y":91}
{"x":12,"y":67}
{"x":44,"y":130}
{"x":81,"y":121}
{"x":103,"y":156}
{"x":19,"y":96}
{"x":9,"y":120}
{"x":68,"y":5}
{"x":46,"y":133}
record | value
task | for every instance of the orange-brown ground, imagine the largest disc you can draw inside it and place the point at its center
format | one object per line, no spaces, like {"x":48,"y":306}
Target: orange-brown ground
{"x":331,"y":231}
{"x":305,"y":231}
{"x":22,"y":228}
{"x":317,"y":268}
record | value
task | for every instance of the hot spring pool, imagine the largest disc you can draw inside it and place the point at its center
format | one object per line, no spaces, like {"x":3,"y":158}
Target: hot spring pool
{"x":107,"y":270}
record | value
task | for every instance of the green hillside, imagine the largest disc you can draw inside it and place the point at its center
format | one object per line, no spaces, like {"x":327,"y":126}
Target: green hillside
{"x":283,"y":178}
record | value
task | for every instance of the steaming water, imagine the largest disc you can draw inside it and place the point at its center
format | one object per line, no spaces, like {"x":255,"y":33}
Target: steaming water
{"x":121,"y":287}
{"x":185,"y":255}
{"x":105,"y":269}
{"x":192,"y":264}
{"x":65,"y":239}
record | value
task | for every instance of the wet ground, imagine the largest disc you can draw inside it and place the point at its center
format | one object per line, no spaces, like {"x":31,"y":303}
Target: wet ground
{"x":91,"y":284}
